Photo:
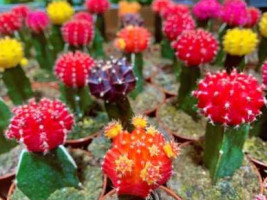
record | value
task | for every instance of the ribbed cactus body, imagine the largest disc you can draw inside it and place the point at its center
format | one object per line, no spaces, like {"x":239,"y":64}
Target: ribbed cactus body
{"x":10,"y":22}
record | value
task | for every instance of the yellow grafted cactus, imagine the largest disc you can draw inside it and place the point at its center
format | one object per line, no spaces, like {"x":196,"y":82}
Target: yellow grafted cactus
{"x":240,"y":42}
{"x":59,"y":12}
{"x":126,"y":7}
{"x":11,"y":53}
{"x":263,"y":25}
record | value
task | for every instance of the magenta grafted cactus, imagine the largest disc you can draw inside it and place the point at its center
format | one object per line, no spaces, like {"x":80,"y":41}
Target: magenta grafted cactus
{"x":207,"y":9}
{"x":37,"y":21}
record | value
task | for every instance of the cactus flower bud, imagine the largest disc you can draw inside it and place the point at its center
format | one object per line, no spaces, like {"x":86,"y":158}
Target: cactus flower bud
{"x":140,"y":161}
{"x":73,"y":68}
{"x":40,"y":126}
{"x":196,"y":47}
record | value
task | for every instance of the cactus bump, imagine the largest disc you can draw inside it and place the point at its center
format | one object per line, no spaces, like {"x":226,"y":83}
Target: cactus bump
{"x":72,"y":70}
{"x":10,"y":22}
{"x":43,"y":127}
{"x":230,"y":102}
{"x":112,"y":80}
{"x":139,"y":161}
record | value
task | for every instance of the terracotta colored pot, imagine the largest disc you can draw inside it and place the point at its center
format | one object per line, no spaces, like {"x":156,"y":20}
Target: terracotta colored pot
{"x":5,"y":182}
{"x":166,"y":190}
{"x":258,"y":163}
{"x":13,"y":187}
{"x":168,"y":130}
{"x":81,"y":142}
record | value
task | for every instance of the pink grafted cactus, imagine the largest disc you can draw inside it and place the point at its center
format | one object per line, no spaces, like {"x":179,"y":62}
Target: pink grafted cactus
{"x":174,"y":9}
{"x":174,"y":25}
{"x":97,"y":6}
{"x":234,"y":13}
{"x":78,"y":32}
{"x":230,"y":99}
{"x":9,"y":23}
{"x":73,"y":68}
{"x":22,"y":11}
{"x":207,"y":9}
{"x":196,"y":47}
{"x":37,"y":21}
{"x":40,"y":126}
{"x":159,"y":5}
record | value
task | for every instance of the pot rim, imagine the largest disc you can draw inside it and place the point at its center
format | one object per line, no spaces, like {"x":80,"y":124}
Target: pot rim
{"x":256,"y":161}
{"x":82,"y":141}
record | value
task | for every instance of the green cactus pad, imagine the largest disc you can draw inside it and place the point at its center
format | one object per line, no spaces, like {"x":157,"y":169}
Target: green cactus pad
{"x":51,"y":171}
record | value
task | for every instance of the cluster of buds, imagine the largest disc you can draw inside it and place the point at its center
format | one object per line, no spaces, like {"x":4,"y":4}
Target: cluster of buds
{"x":59,"y":12}
{"x":83,"y":16}
{"x":240,"y":42}
{"x":207,"y":9}
{"x":37,"y":21}
{"x":73,"y":68}
{"x":254,"y":15}
{"x":230,"y":99}
{"x":78,"y":32}
{"x":196,"y":47}
{"x":22,"y":11}
{"x":174,"y":9}
{"x":11,"y":53}
{"x":132,"y":39}
{"x":131,"y":20}
{"x":264,"y":73}
{"x":174,"y":25}
{"x":263,"y":25}
{"x":40,"y":126}
{"x":140,"y":161}
{"x":9,"y":23}
{"x":126,"y":7}
{"x":234,"y":13}
{"x":112,"y":79}
{"x":97,"y":6}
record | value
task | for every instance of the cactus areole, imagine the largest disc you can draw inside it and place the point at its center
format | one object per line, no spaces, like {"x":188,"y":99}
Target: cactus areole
{"x":112,"y":80}
{"x":140,"y":161}
{"x":230,"y":102}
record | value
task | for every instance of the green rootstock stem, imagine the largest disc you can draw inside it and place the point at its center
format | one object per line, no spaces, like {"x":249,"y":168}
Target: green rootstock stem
{"x":100,"y":24}
{"x":158,"y":28}
{"x":56,"y":40}
{"x":137,"y":60}
{"x":234,"y":62}
{"x":166,"y":49}
{"x":24,"y":35}
{"x":120,"y":110}
{"x":223,"y":153}
{"x":262,"y":53}
{"x":44,"y":52}
{"x":5,"y":116}
{"x":78,"y":99}
{"x":18,"y":85}
{"x":176,"y":68}
{"x":221,"y":54}
{"x":39,"y":175}
{"x":97,"y":45}
{"x":188,"y":82}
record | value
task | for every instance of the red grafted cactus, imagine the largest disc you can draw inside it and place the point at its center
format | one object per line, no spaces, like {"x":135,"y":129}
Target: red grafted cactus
{"x":112,"y":79}
{"x":9,"y":23}
{"x":40,"y":126}
{"x":264,"y":73}
{"x":73,"y":68}
{"x":97,"y":6}
{"x":174,"y":9}
{"x":78,"y":32}
{"x":83,"y":16}
{"x":140,"y":161}
{"x":196,"y":47}
{"x":230,"y":99}
{"x":254,"y":15}
{"x":37,"y":21}
{"x":132,"y":39}
{"x":159,"y":5}
{"x":174,"y":25}
{"x":22,"y":11}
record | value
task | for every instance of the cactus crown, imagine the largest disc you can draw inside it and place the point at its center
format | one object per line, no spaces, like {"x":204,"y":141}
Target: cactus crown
{"x":78,"y":32}
{"x":9,"y":23}
{"x":22,"y":11}
{"x":230,"y":99}
{"x":132,"y":39}
{"x":59,"y":11}
{"x":174,"y":9}
{"x":159,"y":5}
{"x":140,"y":161}
{"x":207,"y":9}
{"x":97,"y":6}
{"x":37,"y":21}
{"x":73,"y":68}
{"x":40,"y":126}
{"x":196,"y":47}
{"x":111,"y":79}
{"x":174,"y":25}
{"x":131,"y":20}
{"x":240,"y":42}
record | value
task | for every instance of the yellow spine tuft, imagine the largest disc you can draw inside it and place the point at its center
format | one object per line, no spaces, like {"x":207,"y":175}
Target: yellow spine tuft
{"x":171,"y":150}
{"x":113,"y":129}
{"x":139,"y":121}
